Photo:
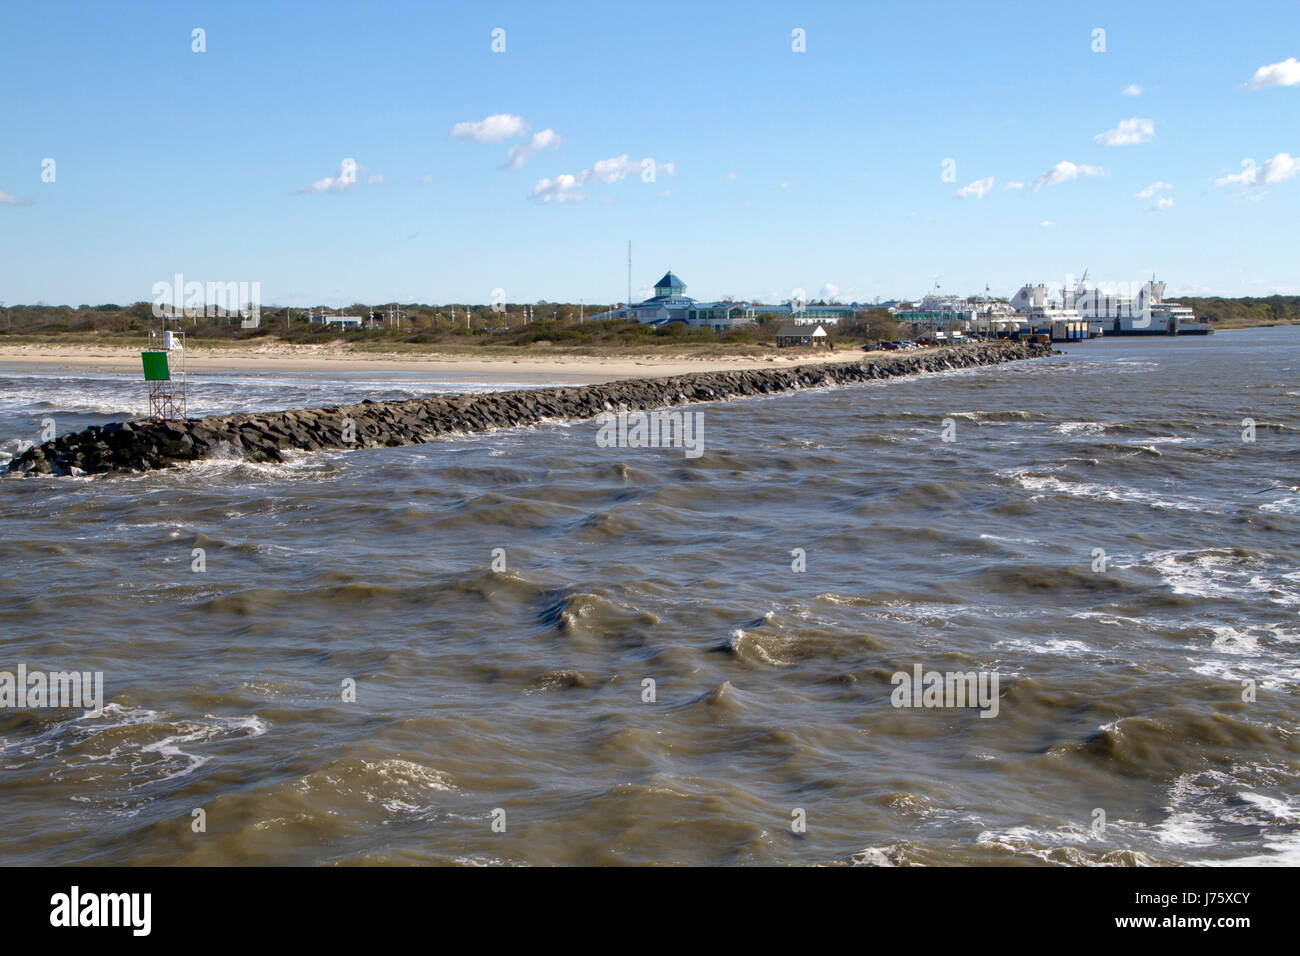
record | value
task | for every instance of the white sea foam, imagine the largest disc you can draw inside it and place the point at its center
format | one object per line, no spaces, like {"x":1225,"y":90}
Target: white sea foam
{"x":1080,"y":428}
{"x":1064,"y":648}
{"x":1046,"y":485}
{"x":1224,"y":574}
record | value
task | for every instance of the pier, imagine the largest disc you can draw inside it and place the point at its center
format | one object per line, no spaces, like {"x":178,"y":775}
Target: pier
{"x":265,"y":436}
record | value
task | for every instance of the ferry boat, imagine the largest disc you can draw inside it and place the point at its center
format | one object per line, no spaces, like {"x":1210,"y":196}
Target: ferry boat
{"x":1046,"y":316}
{"x":1147,"y":313}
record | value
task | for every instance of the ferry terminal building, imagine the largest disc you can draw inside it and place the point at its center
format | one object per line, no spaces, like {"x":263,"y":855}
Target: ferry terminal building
{"x":670,"y":303}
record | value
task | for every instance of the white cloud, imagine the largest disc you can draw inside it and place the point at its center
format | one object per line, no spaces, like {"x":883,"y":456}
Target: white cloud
{"x":496,"y":128}
{"x":9,"y":199}
{"x":522,"y":152}
{"x":1064,"y":172}
{"x":1286,"y":73}
{"x":350,"y":174}
{"x":1046,"y":224}
{"x":784,"y":185}
{"x":1152,"y":190}
{"x":1014,"y":184}
{"x":562,"y":188}
{"x":731,"y":176}
{"x":1131,"y":90}
{"x":569,"y":187}
{"x":829,"y":292}
{"x":1128,"y":133}
{"x":612,"y":170}
{"x":1162,"y":202}
{"x":977,"y":189}
{"x":1272,"y":171}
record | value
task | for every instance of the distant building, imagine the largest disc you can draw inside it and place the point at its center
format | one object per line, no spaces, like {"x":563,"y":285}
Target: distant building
{"x":343,"y":321}
{"x":792,"y":335}
{"x":808,"y":314}
{"x":671,"y":304}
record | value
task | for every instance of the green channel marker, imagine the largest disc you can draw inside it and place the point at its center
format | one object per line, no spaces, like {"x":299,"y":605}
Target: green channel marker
{"x":155,"y":367}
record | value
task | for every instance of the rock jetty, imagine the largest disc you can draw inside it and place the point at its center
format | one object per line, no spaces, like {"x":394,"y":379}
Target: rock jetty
{"x":265,"y":436}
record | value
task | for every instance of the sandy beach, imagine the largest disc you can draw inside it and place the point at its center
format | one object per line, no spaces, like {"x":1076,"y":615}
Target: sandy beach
{"x":282,"y":357}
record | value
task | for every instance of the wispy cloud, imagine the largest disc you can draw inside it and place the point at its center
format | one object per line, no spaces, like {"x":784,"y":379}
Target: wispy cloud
{"x":1152,"y":190}
{"x":496,"y":128}
{"x":613,"y":170}
{"x":565,"y":187}
{"x":572,"y":187}
{"x":976,"y":190}
{"x":500,"y":127}
{"x":1279,"y":169}
{"x":1014,"y":184}
{"x":1131,"y":90}
{"x":522,"y":152}
{"x":350,"y":173}
{"x":1128,"y":133}
{"x":731,"y":176}
{"x":1047,"y":224}
{"x":1162,"y":202}
{"x":1286,"y":73}
{"x":1064,"y":172}
{"x":9,"y":199}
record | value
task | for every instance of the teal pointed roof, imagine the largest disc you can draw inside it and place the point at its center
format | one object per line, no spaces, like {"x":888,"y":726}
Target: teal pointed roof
{"x":670,"y":281}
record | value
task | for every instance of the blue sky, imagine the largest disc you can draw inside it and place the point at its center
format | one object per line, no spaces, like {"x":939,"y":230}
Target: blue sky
{"x":774,"y":169}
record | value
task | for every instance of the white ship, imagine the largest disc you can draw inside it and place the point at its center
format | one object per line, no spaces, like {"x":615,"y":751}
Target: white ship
{"x":1143,"y":314}
{"x":1044,"y":315}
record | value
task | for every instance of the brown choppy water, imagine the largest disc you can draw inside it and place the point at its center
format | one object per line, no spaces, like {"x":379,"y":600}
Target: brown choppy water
{"x":522,"y":690}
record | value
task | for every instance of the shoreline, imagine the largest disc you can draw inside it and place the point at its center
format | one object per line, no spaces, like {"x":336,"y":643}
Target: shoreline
{"x":571,"y":368}
{"x":145,"y":445}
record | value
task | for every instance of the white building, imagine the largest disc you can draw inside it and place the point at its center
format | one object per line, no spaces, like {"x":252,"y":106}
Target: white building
{"x":671,"y":304}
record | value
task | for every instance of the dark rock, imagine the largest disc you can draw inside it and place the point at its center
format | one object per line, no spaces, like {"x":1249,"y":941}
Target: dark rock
{"x":144,"y":445}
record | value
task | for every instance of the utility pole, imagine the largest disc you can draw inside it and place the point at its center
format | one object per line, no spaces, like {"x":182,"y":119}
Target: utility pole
{"x":629,"y":279}
{"x":580,"y":304}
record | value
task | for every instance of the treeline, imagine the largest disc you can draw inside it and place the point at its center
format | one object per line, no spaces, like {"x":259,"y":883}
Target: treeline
{"x":291,"y":323}
{"x":1268,"y":310}
{"x":551,"y":321}
{"x":557,"y":323}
